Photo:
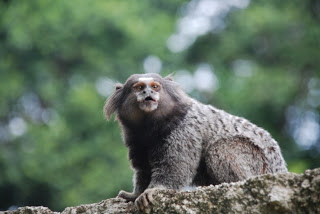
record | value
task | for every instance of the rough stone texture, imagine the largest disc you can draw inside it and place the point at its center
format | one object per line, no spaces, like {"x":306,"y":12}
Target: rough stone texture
{"x":279,"y":193}
{"x":112,"y":205}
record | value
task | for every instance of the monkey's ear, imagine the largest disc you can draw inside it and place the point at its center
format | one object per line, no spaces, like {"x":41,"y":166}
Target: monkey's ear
{"x":113,"y":101}
{"x":118,"y":86}
{"x":169,"y":77}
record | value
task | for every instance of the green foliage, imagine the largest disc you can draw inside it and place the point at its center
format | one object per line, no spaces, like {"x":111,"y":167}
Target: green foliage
{"x":57,"y":150}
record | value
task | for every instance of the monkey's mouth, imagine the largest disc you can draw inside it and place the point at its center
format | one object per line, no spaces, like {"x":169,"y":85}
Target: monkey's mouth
{"x":149,"y":99}
{"x":149,"y":104}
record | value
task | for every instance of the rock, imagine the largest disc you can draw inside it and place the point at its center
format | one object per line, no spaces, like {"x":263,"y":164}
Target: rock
{"x":277,"y":193}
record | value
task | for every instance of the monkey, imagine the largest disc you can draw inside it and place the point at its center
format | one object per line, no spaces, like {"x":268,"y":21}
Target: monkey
{"x":175,"y":141}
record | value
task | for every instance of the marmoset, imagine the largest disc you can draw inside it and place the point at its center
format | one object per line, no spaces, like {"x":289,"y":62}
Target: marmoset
{"x":175,"y":141}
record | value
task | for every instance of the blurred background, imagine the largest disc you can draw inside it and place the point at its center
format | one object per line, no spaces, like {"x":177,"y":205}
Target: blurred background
{"x":59,"y":60}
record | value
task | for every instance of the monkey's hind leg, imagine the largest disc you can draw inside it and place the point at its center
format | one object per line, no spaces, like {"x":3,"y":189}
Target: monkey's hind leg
{"x":234,"y":159}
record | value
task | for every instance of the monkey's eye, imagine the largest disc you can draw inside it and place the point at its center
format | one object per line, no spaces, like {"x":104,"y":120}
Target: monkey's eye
{"x":156,"y":87}
{"x":138,"y":87}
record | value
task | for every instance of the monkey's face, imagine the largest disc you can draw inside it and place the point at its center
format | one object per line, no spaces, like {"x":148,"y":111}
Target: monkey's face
{"x":146,"y":95}
{"x":147,"y":92}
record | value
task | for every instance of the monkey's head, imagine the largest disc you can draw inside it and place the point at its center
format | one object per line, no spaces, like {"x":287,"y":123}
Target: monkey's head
{"x":144,"y":95}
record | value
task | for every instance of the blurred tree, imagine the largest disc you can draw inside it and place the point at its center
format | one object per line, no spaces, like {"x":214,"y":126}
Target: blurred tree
{"x":56,"y":148}
{"x":59,"y":60}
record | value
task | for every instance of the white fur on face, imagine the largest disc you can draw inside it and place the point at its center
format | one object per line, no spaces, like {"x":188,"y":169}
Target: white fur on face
{"x":145,"y":79}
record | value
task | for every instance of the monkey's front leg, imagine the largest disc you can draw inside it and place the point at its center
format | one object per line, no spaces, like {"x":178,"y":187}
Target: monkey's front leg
{"x":170,"y":175}
{"x":145,"y":200}
{"x":141,"y":181}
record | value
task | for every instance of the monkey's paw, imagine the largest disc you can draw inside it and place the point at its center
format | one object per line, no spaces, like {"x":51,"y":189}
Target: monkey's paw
{"x":144,"y":201}
{"x":128,"y":196}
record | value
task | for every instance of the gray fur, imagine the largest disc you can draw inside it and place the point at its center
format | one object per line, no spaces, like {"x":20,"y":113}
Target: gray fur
{"x":184,"y":142}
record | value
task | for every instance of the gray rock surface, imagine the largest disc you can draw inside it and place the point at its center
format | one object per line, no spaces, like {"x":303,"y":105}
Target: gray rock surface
{"x":278,"y":193}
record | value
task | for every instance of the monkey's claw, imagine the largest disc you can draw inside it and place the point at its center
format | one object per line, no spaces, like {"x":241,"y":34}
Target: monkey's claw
{"x":144,"y":201}
{"x":127,"y":196}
